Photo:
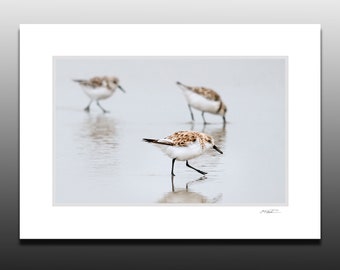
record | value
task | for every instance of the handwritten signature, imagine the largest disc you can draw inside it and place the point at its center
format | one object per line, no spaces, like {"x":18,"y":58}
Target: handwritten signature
{"x":270,"y":211}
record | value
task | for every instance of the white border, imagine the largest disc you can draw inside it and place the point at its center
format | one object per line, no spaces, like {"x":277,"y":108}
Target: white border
{"x":39,"y":219}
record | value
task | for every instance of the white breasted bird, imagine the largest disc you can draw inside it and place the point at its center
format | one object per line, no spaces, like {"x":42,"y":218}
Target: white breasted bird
{"x":98,"y":88}
{"x":185,"y":145}
{"x":204,"y":100}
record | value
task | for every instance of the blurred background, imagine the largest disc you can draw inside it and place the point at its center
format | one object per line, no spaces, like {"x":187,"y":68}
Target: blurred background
{"x":100,"y":159}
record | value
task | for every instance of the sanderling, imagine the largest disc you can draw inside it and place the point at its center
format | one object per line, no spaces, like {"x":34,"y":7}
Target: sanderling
{"x":98,"y":88}
{"x":185,"y":145}
{"x":204,"y":100}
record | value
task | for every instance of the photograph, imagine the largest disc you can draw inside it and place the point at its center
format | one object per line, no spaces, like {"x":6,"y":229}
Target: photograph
{"x":170,"y":135}
{"x":153,"y":130}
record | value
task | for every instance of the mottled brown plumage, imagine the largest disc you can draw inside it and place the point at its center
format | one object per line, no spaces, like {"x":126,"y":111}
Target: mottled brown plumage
{"x":183,"y":138}
{"x":205,"y":92}
{"x":96,"y":82}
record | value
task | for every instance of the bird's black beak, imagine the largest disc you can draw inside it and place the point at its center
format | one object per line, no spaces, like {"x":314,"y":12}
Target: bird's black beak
{"x":218,"y":150}
{"x":121,"y":88}
{"x":178,"y":83}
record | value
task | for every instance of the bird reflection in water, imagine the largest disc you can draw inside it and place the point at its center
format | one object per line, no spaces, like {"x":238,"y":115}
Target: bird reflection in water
{"x":180,"y":195}
{"x":96,"y":139}
{"x":99,"y":129}
{"x":219,"y":135}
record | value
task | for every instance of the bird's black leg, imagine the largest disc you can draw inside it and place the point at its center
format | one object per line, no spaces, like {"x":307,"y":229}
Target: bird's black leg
{"x":172,"y":167}
{"x":224,"y":121}
{"x":192,"y":115}
{"x":87,"y":109}
{"x":172,"y":183}
{"x":205,"y":122}
{"x":197,"y":170}
{"x":104,"y":111}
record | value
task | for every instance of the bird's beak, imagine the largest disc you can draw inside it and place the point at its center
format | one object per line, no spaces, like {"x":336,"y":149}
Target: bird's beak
{"x":121,"y":88}
{"x":218,"y":150}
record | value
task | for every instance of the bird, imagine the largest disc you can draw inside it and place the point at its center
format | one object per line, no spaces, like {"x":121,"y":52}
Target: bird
{"x":204,"y":100}
{"x":98,"y":88}
{"x":184,"y":146}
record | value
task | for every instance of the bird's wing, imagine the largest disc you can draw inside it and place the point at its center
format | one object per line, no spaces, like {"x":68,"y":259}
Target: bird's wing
{"x":182,"y":138}
{"x":205,"y":92}
{"x":93,"y":83}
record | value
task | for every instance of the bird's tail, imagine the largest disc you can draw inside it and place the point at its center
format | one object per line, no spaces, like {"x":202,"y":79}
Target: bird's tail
{"x":181,"y":84}
{"x":78,"y":81}
{"x":82,"y":82}
{"x":184,"y":87}
{"x":150,"y":140}
{"x":156,"y":141}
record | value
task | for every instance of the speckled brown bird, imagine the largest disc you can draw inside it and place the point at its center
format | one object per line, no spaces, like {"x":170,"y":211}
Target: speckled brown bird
{"x":205,"y":100}
{"x":185,"y":145}
{"x":98,"y":88}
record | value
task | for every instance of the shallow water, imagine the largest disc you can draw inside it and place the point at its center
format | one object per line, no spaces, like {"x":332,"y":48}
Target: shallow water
{"x":100,"y":159}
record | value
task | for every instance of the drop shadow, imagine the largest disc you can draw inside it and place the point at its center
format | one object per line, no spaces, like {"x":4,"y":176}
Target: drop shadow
{"x":68,"y":243}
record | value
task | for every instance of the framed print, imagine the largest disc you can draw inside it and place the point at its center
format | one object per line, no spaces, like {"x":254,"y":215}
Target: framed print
{"x":170,"y":131}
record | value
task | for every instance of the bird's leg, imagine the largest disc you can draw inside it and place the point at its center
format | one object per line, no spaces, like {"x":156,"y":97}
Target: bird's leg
{"x":172,"y":183}
{"x":197,"y":170}
{"x":192,"y":115}
{"x":87,"y":109}
{"x":104,"y":111}
{"x":224,"y":121}
{"x":205,"y":122}
{"x":172,"y":167}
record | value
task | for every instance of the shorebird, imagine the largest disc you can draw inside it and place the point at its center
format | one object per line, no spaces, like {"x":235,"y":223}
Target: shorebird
{"x":98,"y":88}
{"x":185,"y":145}
{"x":204,"y":100}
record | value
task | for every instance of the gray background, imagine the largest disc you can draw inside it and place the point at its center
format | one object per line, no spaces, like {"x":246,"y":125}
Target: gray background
{"x":234,"y":254}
